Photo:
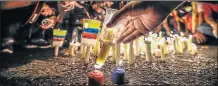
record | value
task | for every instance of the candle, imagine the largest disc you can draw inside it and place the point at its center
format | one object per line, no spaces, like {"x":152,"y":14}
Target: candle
{"x":126,"y":52}
{"x":194,"y":49}
{"x":96,"y":78}
{"x":131,"y":53}
{"x":96,"y":49}
{"x":114,"y":54}
{"x":137,"y":46}
{"x":72,"y":50}
{"x":87,"y":55}
{"x":174,"y":46}
{"x":189,"y":43}
{"x":118,"y":75}
{"x":148,"y":50}
{"x":142,"y":46}
{"x":162,"y":49}
{"x":117,"y":54}
{"x":157,"y":52}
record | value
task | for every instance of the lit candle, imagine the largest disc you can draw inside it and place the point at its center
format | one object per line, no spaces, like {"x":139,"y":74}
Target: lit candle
{"x":96,"y":78}
{"x":118,"y":75}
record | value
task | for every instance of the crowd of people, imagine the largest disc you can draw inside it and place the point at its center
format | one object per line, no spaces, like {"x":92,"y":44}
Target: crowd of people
{"x":30,"y":23}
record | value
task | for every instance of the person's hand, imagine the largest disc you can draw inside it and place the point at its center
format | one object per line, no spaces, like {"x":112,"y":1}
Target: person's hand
{"x":215,"y":29}
{"x":47,"y":10}
{"x":49,"y":23}
{"x":140,"y":18}
{"x":200,"y":38}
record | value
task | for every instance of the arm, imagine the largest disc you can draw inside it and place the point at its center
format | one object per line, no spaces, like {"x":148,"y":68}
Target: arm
{"x":7,"y":5}
{"x":166,"y":26}
{"x":200,"y":18}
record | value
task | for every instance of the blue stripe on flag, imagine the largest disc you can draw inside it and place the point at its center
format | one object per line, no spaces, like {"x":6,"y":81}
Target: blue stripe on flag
{"x":91,"y":30}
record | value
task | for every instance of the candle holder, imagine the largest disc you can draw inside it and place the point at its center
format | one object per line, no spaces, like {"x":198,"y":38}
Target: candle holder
{"x":118,"y":75}
{"x":96,"y":78}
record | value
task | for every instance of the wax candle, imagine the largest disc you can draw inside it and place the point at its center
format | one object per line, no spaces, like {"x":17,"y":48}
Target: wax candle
{"x":136,"y":46}
{"x":126,"y":52}
{"x":117,"y":54}
{"x":72,"y":49}
{"x":194,"y":49}
{"x":96,"y":78}
{"x":114,"y":54}
{"x":189,"y":43}
{"x":142,"y":47}
{"x":148,"y":50}
{"x":131,"y":53}
{"x":157,"y":52}
{"x":174,"y":46}
{"x":118,"y":75}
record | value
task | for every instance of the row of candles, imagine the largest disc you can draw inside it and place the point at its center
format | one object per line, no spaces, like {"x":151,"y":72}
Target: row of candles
{"x":102,"y":45}
{"x":153,"y":45}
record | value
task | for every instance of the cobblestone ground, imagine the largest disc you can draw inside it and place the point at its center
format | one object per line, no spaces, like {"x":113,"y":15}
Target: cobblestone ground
{"x":34,"y":67}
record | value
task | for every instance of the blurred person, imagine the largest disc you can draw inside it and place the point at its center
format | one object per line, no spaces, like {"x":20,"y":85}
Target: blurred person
{"x":19,"y":16}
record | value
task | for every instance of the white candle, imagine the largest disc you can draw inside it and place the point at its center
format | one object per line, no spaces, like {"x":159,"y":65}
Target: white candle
{"x":126,"y":51}
{"x":136,"y":47}
{"x":174,"y":46}
{"x":194,"y":49}
{"x":87,"y":55}
{"x":148,"y":50}
{"x":189,"y":43}
{"x":117,"y":54}
{"x":71,"y":48}
{"x":131,"y":53}
{"x":157,"y":52}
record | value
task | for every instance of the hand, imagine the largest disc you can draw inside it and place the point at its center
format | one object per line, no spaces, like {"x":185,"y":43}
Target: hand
{"x":140,"y":18}
{"x":200,"y":38}
{"x":47,"y":11}
{"x":52,"y":23}
{"x":215,"y":29}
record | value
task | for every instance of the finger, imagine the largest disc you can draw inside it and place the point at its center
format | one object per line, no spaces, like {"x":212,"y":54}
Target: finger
{"x":200,"y":39}
{"x":125,"y":33}
{"x":136,"y":34}
{"x":119,"y":15}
